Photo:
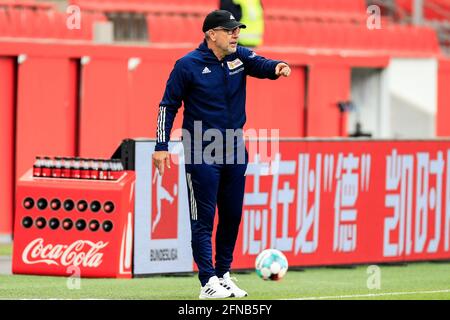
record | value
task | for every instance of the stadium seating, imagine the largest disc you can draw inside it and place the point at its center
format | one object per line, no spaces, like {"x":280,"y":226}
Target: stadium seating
{"x":184,"y":7}
{"x":334,"y":35}
{"x":317,"y":6}
{"x":324,"y":24}
{"x":433,"y":9}
{"x":4,"y":23}
{"x":31,"y":19}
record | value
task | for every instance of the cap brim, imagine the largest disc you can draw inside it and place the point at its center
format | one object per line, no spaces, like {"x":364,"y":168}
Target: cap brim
{"x":233,"y":24}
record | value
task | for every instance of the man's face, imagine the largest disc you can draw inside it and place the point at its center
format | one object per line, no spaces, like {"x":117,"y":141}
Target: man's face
{"x":227,"y":40}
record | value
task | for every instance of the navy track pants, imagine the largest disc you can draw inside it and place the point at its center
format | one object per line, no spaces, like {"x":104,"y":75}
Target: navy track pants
{"x":211,"y":185}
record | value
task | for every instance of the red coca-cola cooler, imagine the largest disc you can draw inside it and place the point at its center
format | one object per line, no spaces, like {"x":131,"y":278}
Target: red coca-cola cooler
{"x":67,"y":226}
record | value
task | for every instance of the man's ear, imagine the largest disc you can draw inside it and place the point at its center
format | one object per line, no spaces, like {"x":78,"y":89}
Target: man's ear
{"x":212,"y":36}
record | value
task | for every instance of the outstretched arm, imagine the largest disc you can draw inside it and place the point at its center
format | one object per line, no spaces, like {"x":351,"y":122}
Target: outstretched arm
{"x":263,"y":68}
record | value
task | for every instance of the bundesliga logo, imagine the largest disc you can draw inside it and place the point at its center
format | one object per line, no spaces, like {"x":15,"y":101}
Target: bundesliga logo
{"x":164,"y":224}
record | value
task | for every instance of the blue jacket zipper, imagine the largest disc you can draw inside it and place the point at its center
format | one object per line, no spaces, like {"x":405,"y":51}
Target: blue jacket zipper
{"x":227,"y":94}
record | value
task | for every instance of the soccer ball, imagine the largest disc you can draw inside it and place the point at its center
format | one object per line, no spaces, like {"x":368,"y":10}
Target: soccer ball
{"x":271,"y":264}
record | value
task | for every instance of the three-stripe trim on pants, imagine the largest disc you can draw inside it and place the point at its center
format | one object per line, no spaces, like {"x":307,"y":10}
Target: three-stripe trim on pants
{"x":192,"y":201}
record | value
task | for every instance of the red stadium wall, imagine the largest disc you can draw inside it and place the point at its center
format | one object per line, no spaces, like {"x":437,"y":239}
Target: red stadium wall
{"x":46,"y":109}
{"x":278,"y":104}
{"x":103,"y":111}
{"x":323,"y":115}
{"x":443,"y":114}
{"x":7,"y":120}
{"x":65,"y":107}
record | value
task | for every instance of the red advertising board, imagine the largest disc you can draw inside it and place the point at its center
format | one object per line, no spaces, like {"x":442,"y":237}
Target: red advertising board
{"x":321,"y":202}
{"x":347,"y":202}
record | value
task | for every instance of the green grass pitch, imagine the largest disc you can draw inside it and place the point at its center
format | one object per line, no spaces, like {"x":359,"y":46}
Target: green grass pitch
{"x":5,"y":250}
{"x":412,"y":281}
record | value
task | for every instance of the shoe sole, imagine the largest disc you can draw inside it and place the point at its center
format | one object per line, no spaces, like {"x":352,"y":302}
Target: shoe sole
{"x":208,"y":297}
{"x":239,"y":296}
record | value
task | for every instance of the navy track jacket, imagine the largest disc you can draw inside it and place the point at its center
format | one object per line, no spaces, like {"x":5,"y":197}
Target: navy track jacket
{"x":213,"y":91}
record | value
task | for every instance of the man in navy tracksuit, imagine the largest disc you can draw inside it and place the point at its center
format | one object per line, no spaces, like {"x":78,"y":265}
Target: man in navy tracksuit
{"x":211,"y":81}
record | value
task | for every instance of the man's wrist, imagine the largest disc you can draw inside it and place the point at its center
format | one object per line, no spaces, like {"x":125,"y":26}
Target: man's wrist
{"x":162,"y":146}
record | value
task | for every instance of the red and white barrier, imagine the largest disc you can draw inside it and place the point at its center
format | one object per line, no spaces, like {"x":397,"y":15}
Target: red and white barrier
{"x":322,"y":202}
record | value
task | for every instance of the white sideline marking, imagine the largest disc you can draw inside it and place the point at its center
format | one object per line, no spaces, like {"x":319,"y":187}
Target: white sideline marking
{"x":372,"y":295}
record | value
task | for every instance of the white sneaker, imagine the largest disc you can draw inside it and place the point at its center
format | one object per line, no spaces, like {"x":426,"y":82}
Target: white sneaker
{"x":214,"y":290}
{"x":228,"y":284}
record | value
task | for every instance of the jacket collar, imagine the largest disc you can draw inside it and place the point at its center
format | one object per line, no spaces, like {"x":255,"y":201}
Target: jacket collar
{"x":208,"y":54}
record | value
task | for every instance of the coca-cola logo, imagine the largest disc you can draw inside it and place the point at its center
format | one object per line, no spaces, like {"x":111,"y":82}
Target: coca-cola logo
{"x":83,"y":253}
